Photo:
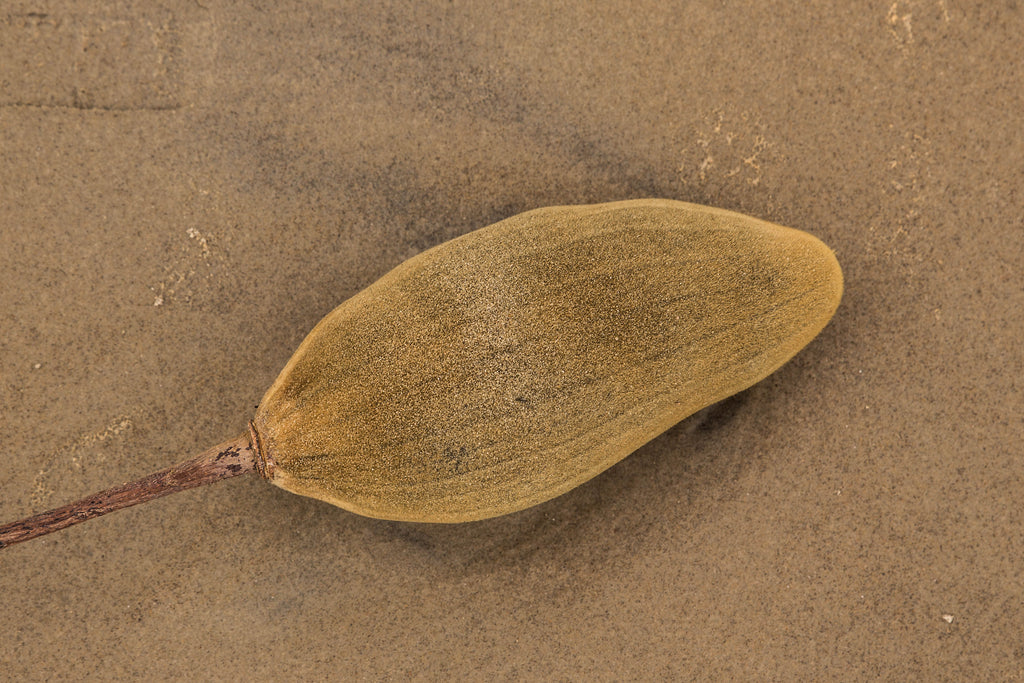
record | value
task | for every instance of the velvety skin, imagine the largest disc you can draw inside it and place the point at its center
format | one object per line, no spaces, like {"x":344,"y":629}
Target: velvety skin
{"x":507,"y":366}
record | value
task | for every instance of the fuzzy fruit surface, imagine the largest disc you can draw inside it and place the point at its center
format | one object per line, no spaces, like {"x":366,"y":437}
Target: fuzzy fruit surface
{"x":507,"y":366}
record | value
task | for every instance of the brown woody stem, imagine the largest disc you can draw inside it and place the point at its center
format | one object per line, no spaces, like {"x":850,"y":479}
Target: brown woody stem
{"x":229,"y":459}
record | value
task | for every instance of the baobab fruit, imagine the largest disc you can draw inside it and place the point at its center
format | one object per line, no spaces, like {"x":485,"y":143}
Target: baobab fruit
{"x":507,"y":366}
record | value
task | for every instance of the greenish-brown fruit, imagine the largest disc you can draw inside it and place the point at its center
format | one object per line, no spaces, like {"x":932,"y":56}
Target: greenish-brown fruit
{"x":507,"y":366}
{"x":511,"y":364}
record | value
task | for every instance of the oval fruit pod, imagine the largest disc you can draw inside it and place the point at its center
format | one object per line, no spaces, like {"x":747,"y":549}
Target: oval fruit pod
{"x":511,"y":364}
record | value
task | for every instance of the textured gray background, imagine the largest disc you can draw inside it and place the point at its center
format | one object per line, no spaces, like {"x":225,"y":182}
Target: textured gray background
{"x":187,"y":187}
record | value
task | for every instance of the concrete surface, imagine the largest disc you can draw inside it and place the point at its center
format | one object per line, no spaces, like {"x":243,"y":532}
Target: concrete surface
{"x":186,"y":187}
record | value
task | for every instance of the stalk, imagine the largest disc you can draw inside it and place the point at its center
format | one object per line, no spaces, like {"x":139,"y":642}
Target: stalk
{"x":224,"y":461}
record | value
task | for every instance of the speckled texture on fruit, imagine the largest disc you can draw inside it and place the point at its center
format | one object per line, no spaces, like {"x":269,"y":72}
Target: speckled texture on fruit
{"x":507,"y":366}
